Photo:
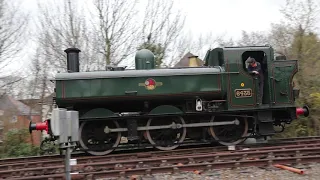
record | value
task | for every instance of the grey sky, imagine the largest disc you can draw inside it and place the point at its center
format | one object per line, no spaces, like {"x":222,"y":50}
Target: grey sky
{"x":216,"y":16}
{"x":228,"y":17}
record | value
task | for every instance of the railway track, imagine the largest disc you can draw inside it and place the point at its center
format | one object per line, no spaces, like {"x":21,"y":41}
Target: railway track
{"x":92,"y":167}
{"x":117,"y":154}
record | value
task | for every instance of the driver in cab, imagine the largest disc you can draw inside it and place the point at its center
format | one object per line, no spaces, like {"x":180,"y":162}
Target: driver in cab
{"x":255,"y":67}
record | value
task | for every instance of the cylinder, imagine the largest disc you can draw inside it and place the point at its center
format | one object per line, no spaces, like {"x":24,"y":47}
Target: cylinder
{"x":72,"y":59}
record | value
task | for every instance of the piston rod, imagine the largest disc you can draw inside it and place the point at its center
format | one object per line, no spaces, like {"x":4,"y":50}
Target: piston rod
{"x":174,"y":126}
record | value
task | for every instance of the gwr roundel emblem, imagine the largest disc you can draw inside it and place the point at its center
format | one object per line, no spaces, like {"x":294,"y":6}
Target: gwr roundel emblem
{"x":150,"y":84}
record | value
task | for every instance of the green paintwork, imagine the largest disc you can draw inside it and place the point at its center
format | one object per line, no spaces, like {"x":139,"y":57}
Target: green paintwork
{"x":144,"y":59}
{"x":222,"y":85}
{"x":134,"y":86}
{"x":98,"y":113}
{"x":283,"y":70}
{"x":282,"y":84}
{"x":214,"y":57}
{"x":165,"y":109}
{"x":234,"y":64}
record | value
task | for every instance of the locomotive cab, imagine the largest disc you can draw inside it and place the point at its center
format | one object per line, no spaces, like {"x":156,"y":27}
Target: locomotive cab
{"x":278,"y":75}
{"x":278,"y":100}
{"x":243,"y":86}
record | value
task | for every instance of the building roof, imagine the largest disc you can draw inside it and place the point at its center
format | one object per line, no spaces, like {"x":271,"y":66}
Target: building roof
{"x":8,"y":103}
{"x":36,"y":104}
{"x":184,"y":62}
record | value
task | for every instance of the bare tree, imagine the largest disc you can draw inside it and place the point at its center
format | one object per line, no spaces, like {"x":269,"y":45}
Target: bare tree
{"x":182,"y":46}
{"x":302,"y":14}
{"x":281,"y":38}
{"x":253,"y":39}
{"x":298,"y":16}
{"x":197,"y":45}
{"x":58,"y":27}
{"x":13,"y":24}
{"x":299,"y":27}
{"x":226,"y":43}
{"x":114,"y":30}
{"x":62,"y":26}
{"x":162,"y":27}
{"x":10,"y":85}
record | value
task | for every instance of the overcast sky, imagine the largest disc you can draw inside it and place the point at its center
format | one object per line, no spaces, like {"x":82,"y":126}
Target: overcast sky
{"x":217,"y":16}
{"x":228,"y":17}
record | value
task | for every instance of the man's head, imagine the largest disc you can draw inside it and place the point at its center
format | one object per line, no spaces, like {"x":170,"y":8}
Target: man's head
{"x":251,"y":61}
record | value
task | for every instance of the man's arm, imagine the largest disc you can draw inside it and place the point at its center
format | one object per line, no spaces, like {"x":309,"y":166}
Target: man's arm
{"x":259,"y":69}
{"x":256,"y":71}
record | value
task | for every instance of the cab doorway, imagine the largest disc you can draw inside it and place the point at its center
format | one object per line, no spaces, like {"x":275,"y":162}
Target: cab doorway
{"x":261,"y":57}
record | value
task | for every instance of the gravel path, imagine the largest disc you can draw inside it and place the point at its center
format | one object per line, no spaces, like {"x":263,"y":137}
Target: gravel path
{"x":311,"y":172}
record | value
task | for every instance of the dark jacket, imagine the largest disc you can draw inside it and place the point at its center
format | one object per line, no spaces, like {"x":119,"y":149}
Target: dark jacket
{"x":257,"y":68}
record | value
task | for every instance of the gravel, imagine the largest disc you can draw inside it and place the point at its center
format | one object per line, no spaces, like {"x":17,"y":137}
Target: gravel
{"x":311,"y":171}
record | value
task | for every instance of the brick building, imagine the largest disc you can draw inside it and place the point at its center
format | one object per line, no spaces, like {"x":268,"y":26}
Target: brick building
{"x":15,"y":115}
{"x":44,"y":107}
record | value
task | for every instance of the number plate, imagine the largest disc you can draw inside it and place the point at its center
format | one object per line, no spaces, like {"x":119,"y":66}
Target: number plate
{"x":243,"y":93}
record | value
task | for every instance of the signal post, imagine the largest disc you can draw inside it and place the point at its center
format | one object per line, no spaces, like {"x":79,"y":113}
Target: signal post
{"x":64,"y":127}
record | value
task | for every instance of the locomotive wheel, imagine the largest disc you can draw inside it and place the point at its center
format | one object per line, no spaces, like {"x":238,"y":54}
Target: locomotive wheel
{"x":165,"y":139}
{"x":229,"y":134}
{"x":92,"y":136}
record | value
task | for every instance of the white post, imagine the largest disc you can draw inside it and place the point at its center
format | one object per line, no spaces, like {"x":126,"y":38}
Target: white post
{"x":65,"y":125}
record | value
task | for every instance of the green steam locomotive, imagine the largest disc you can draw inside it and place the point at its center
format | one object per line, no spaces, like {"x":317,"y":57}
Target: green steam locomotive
{"x":168,"y":107}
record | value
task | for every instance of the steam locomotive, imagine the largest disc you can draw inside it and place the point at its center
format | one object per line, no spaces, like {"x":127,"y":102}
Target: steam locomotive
{"x":167,"y":107}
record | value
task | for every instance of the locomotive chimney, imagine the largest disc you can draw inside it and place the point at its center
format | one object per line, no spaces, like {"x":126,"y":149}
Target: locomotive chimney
{"x":72,"y":59}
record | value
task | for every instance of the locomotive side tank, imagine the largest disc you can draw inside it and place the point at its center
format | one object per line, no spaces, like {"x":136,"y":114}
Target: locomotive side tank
{"x":134,"y":85}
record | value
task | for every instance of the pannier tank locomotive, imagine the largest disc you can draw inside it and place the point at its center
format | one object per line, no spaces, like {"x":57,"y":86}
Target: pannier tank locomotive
{"x":167,"y":107}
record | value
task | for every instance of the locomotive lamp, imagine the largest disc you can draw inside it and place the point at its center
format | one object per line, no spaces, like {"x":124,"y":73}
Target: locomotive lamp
{"x":199,"y":105}
{"x":303,"y":111}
